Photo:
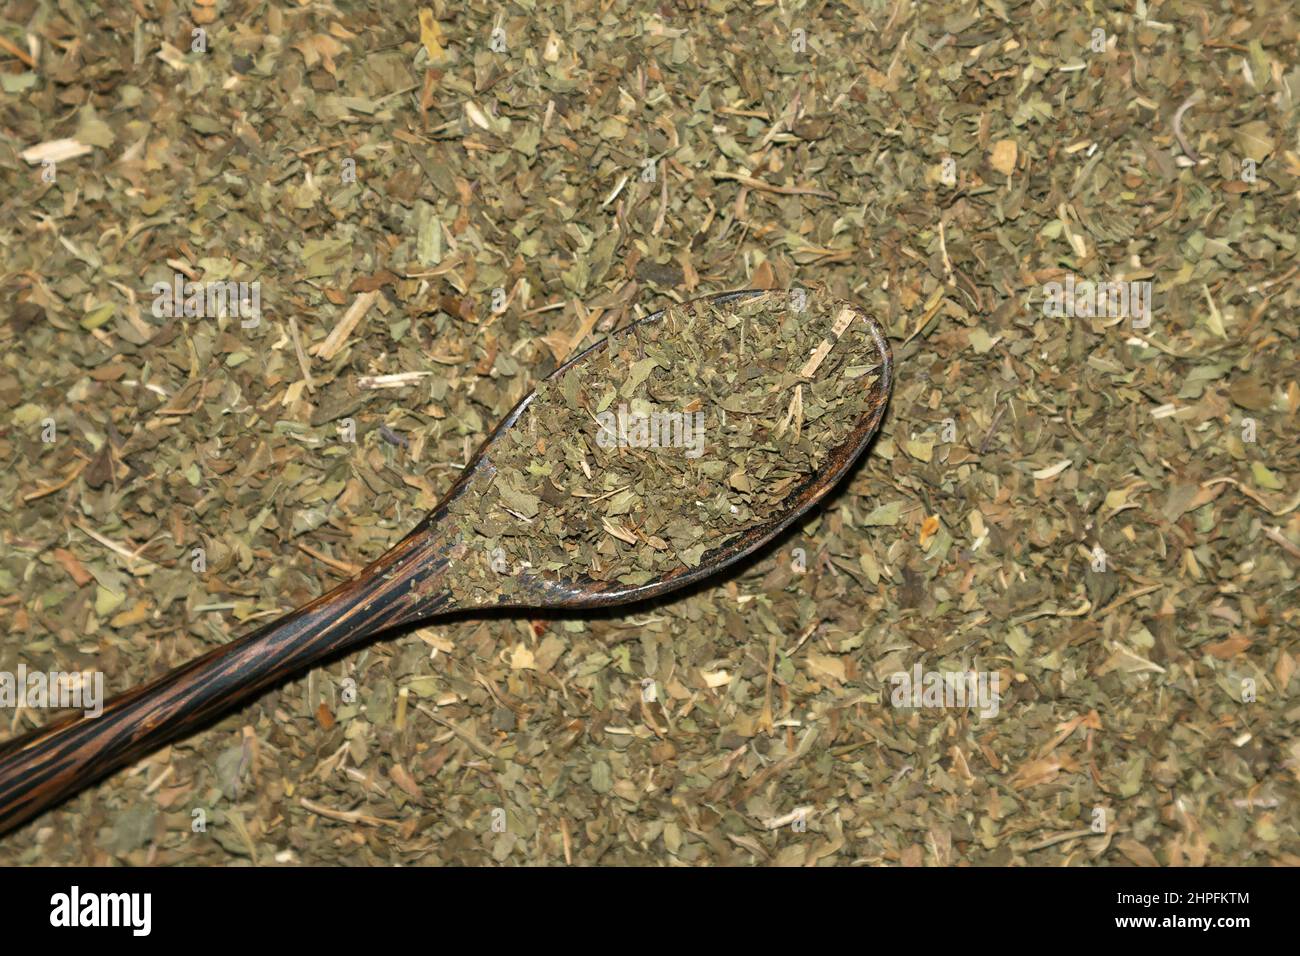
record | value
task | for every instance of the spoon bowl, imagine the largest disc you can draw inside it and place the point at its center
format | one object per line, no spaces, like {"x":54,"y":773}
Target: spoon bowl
{"x":537,"y":590}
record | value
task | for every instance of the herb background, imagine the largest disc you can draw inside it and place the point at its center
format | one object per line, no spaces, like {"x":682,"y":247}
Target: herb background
{"x":594,"y":162}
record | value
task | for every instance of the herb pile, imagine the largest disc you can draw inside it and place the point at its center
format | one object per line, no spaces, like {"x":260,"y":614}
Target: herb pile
{"x":671,"y":440}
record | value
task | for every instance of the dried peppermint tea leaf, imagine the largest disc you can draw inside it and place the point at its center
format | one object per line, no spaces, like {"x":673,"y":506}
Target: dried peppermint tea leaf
{"x":437,"y":152}
{"x":673,"y":440}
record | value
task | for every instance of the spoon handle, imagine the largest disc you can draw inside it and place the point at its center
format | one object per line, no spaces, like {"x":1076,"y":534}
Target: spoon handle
{"x":50,"y":764}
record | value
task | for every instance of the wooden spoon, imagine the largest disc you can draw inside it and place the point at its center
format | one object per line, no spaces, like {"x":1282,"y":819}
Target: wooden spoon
{"x":412,"y":581}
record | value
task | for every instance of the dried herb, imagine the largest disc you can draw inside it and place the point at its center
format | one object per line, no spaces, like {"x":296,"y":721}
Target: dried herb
{"x":1103,"y":512}
{"x":670,"y":440}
